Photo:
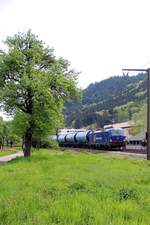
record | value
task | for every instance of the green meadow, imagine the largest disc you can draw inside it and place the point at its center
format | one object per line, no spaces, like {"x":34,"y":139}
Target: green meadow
{"x":75,"y":188}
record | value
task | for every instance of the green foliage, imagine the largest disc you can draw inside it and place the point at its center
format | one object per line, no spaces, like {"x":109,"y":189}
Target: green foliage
{"x":53,"y":144}
{"x":7,"y":133}
{"x":119,"y":97}
{"x":3,"y":132}
{"x":12,"y":135}
{"x":20,"y":123}
{"x":34,"y":85}
{"x":126,"y":112}
{"x":70,"y":188}
{"x":140,"y":120}
{"x":141,"y":94}
{"x":45,"y":143}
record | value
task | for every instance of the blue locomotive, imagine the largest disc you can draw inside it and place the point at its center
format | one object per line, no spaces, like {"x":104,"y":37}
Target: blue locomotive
{"x":107,"y":139}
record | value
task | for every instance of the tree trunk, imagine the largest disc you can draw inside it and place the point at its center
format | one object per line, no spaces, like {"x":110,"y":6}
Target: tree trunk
{"x":27,"y":144}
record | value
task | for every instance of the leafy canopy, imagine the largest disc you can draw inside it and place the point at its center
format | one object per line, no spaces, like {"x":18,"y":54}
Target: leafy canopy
{"x":34,"y":84}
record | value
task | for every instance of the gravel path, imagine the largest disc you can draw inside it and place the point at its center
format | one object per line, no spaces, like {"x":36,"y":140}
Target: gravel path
{"x":8,"y":158}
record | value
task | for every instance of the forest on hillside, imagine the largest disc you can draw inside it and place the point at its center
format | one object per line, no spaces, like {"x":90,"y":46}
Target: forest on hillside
{"x":116,"y":99}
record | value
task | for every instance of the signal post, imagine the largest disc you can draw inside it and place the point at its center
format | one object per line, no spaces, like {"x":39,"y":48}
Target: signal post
{"x":148,"y":106}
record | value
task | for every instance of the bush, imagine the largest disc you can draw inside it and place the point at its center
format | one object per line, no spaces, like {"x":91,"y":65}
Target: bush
{"x":36,"y":143}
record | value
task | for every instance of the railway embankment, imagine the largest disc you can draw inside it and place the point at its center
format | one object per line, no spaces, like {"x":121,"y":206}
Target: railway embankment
{"x":125,"y":152}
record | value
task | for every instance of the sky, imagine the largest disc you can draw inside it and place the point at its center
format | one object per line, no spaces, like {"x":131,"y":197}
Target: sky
{"x":98,"y":37}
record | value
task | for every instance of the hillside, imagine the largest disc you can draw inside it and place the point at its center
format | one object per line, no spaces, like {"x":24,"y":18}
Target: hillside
{"x":115,"y":99}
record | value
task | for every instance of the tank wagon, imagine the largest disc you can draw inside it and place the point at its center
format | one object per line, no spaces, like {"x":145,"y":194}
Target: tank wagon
{"x":70,"y":139}
{"x":106,"y":139}
{"x":83,"y":139}
{"x":61,"y":140}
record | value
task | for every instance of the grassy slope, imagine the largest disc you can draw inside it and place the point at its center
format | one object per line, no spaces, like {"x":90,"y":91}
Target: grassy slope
{"x":70,"y":188}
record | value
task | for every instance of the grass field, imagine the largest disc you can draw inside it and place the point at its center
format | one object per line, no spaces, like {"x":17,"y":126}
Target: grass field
{"x":70,"y":188}
{"x":7,"y":151}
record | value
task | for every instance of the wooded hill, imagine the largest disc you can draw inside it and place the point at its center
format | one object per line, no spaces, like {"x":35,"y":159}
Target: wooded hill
{"x":115,"y":99}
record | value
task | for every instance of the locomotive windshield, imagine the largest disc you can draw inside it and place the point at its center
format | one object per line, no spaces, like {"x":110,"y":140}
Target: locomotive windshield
{"x":117,"y":132}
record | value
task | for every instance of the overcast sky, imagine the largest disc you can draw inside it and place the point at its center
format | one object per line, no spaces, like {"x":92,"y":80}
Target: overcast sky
{"x":98,"y":37}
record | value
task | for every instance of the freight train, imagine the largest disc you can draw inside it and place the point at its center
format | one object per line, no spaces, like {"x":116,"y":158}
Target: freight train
{"x":112,"y":138}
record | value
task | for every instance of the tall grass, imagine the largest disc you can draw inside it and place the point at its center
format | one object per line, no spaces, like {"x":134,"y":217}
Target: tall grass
{"x":69,"y":188}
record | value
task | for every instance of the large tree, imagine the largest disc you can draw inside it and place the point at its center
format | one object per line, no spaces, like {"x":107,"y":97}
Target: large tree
{"x":34,"y":85}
